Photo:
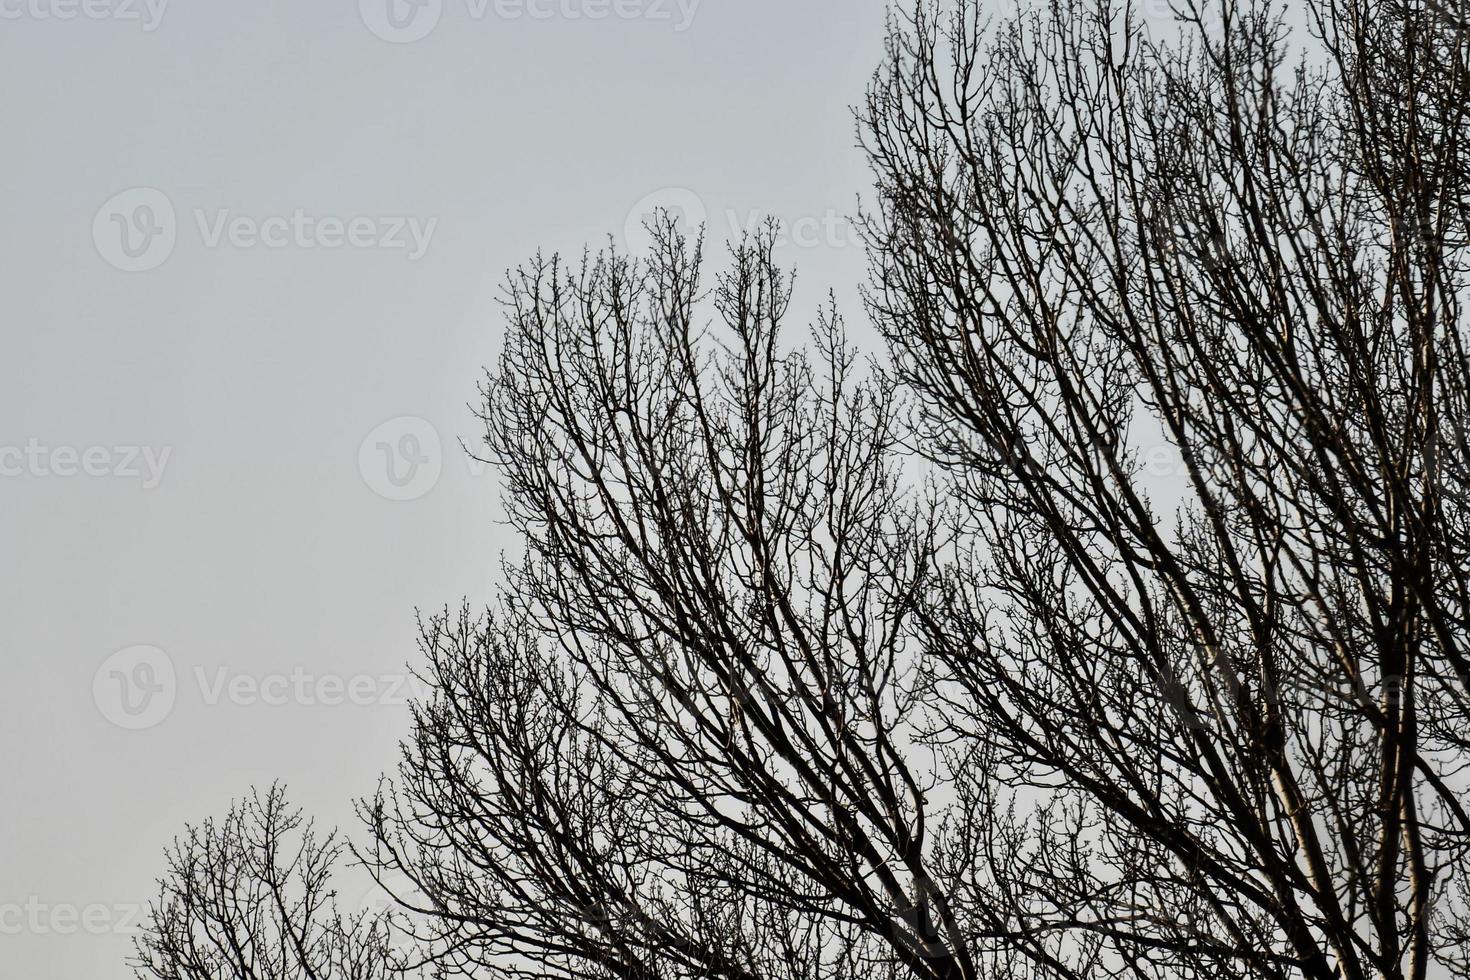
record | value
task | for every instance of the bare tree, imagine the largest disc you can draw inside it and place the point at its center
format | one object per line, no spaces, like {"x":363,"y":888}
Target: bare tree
{"x":689,"y":743}
{"x":249,"y":898}
{"x":756,"y":703}
{"x":1237,"y":724}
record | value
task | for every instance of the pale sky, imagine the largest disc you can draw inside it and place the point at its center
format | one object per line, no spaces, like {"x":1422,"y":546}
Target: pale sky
{"x":241,"y":237}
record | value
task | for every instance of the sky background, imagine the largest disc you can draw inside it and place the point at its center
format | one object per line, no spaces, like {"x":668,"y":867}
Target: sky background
{"x":250,"y":265}
{"x":150,"y":633}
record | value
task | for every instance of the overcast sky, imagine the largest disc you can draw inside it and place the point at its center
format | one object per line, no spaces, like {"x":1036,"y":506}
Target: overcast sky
{"x":241,"y":240}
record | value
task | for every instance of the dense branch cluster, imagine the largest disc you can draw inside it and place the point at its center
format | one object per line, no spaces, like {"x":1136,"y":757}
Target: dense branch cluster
{"x":687,"y":743}
{"x":757,"y":703}
{"x":1245,"y":719}
{"x":250,"y":897}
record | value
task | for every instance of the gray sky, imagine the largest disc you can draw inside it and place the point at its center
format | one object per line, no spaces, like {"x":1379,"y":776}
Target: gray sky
{"x":241,"y":237}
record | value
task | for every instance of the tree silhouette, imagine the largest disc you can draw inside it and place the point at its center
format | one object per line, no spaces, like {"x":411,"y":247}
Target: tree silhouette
{"x":1238,"y":723}
{"x":1161,"y":668}
{"x":250,"y":898}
